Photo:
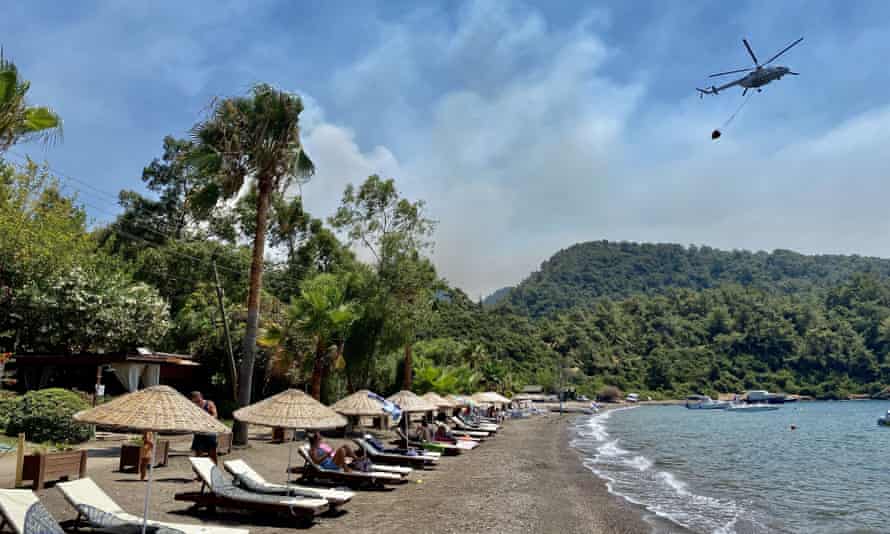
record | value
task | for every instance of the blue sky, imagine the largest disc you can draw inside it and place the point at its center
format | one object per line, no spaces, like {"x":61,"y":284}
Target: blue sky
{"x":525,"y":126}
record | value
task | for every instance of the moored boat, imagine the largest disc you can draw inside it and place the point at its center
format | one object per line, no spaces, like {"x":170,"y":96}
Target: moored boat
{"x":704,"y":402}
{"x":752,"y":407}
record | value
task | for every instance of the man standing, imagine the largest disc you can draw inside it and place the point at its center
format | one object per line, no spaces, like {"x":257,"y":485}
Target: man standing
{"x":204,"y":444}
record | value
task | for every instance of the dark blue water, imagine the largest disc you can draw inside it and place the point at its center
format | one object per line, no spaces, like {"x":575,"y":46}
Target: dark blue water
{"x":727,"y":472}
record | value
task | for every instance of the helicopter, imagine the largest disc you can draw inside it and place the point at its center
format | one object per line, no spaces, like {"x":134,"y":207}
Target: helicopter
{"x":758,"y":75}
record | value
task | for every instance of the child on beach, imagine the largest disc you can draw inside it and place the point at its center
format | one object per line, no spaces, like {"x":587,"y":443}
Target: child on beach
{"x":148,"y":444}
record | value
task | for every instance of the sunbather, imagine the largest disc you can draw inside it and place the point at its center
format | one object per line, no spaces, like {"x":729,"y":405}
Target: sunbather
{"x":327,"y":457}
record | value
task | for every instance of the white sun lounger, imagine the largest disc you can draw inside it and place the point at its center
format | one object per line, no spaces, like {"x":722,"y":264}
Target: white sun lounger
{"x":461,"y":427}
{"x":379,"y":457}
{"x":85,"y":492}
{"x":253,"y":481}
{"x":313,"y":471}
{"x":222,"y":493}
{"x":484,"y":427}
{"x":21,"y":508}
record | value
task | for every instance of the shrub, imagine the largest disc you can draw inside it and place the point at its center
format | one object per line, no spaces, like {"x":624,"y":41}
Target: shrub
{"x":46,"y":415}
{"x":609,"y":394}
{"x":8,"y":403}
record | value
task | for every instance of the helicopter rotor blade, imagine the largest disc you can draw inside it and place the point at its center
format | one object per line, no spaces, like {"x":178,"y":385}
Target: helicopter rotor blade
{"x":750,"y":51}
{"x":729,"y":72}
{"x":787,"y":48}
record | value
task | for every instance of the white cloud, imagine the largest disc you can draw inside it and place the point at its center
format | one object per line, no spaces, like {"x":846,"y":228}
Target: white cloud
{"x":528,"y":148}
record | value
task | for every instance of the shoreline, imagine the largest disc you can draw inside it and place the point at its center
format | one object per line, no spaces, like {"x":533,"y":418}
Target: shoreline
{"x":656,"y":523}
{"x":527,"y":479}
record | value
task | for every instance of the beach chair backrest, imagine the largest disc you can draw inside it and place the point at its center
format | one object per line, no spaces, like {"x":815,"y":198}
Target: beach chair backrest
{"x":204,"y":468}
{"x":373,"y":442}
{"x":242,"y":469}
{"x":85,"y":491}
{"x":24,"y":513}
{"x":304,"y":452}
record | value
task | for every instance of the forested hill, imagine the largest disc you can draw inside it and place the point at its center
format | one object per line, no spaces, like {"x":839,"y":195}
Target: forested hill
{"x":586,"y":271}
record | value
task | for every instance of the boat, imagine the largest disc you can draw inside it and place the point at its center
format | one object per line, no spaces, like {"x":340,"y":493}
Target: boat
{"x":703,"y":402}
{"x":760,"y":396}
{"x":752,"y":407}
{"x":885,"y":420}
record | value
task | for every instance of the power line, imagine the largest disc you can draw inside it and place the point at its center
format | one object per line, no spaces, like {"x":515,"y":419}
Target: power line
{"x":113,"y":228}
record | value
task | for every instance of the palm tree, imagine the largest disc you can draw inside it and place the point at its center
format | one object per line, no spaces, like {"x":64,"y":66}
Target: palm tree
{"x":252,"y":138}
{"x":323,"y":312}
{"x":18,"y":120}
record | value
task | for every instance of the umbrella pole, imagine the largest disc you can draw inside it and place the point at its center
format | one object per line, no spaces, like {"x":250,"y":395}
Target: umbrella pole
{"x":290,"y":452}
{"x":151,"y":466}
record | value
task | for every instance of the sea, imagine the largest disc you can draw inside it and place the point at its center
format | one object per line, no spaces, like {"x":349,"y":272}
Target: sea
{"x":717,"y":471}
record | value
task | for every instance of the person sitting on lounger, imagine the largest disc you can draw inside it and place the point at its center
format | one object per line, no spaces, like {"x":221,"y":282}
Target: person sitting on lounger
{"x":327,"y":457}
{"x":425,"y":433}
{"x":443,"y":433}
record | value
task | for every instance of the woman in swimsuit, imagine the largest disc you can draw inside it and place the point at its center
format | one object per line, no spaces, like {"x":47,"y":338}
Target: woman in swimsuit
{"x":327,"y":457}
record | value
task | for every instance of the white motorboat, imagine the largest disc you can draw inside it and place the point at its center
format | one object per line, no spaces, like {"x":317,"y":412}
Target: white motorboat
{"x":703,"y":402}
{"x":752,"y":407}
{"x":885,"y":420}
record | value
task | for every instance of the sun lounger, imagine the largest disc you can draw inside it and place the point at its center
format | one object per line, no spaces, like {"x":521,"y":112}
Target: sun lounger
{"x":449,"y":449}
{"x":247,"y":478}
{"x":460,"y":427}
{"x":312,"y":471}
{"x":223,"y":494}
{"x":380,"y":447}
{"x":100,"y":510}
{"x":378,"y":457}
{"x":24,"y":514}
{"x":482,"y":426}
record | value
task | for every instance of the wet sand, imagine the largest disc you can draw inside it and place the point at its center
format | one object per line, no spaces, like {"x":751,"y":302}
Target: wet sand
{"x":527,"y":479}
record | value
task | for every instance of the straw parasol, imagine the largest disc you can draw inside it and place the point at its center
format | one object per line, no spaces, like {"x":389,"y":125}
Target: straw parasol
{"x":291,"y":409}
{"x":153,"y":409}
{"x":409,"y":402}
{"x":359,"y":404}
{"x":461,"y":400}
{"x":438,"y":400}
{"x":489,"y":397}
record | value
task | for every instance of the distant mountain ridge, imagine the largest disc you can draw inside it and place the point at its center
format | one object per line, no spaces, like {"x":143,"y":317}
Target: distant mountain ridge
{"x":584,"y":272}
{"x":497,"y":296}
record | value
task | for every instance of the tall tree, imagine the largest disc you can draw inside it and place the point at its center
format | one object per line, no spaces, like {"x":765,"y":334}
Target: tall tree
{"x":20,"y":121}
{"x":253,"y":138}
{"x":395,"y":232}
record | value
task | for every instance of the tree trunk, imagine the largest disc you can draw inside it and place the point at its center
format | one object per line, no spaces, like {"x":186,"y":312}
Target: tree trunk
{"x":318,"y":369}
{"x":408,"y":371}
{"x":245,"y":382}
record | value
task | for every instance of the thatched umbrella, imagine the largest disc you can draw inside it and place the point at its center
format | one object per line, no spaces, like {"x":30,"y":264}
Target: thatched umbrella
{"x":459,"y":401}
{"x":409,"y":402}
{"x":291,"y":409}
{"x":438,"y":400}
{"x":153,"y":409}
{"x":359,"y":404}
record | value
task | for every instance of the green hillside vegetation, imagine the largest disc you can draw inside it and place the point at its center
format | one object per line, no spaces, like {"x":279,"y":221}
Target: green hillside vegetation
{"x":582,"y":273}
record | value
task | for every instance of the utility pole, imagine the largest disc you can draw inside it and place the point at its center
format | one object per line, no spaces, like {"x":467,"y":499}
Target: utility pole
{"x":230,"y":361}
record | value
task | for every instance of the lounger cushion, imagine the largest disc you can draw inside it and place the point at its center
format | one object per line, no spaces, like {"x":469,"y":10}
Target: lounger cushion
{"x":38,"y":520}
{"x":113,"y":524}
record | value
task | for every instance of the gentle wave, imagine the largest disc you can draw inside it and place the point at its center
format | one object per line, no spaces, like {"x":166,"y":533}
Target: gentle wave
{"x":634,"y":478}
